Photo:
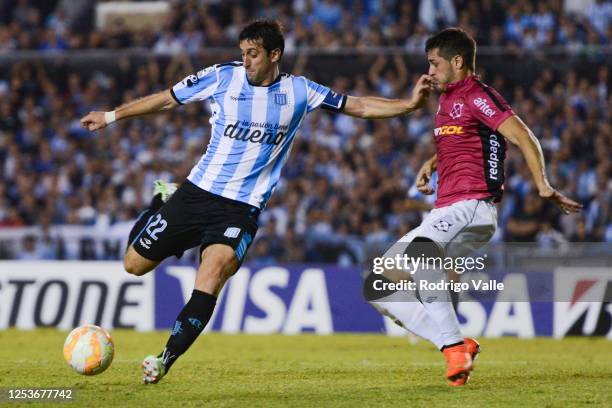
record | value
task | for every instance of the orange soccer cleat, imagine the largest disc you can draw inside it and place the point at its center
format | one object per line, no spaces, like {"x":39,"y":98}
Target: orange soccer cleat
{"x":459,"y":364}
{"x":472,"y":347}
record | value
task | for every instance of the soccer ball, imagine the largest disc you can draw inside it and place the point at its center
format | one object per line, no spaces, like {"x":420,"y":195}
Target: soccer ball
{"x":89,"y":350}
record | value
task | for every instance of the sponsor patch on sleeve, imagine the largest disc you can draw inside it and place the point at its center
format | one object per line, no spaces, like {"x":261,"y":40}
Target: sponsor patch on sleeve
{"x":334,"y":101}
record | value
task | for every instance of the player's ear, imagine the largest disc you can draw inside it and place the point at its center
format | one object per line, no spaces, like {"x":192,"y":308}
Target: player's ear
{"x":457,"y":62}
{"x":275,"y":55}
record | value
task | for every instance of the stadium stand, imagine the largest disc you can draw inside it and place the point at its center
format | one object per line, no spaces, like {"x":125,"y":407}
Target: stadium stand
{"x":348,"y":182}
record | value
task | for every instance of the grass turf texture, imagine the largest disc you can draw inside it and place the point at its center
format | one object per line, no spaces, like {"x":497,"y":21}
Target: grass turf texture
{"x":320,"y":371}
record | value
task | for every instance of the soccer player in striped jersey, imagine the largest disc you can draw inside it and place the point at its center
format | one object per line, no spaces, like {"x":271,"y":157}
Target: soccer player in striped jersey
{"x":256,"y":114}
{"x":472,"y":125}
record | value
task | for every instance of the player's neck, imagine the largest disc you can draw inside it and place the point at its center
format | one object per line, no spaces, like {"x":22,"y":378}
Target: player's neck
{"x":270,"y":77}
{"x":461,"y":75}
{"x":458,"y":80}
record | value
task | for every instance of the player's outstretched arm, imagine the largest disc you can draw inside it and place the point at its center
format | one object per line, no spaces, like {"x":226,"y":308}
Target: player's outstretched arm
{"x":149,"y":104}
{"x":372,"y":107}
{"x":515,"y":130}
{"x":424,"y":175}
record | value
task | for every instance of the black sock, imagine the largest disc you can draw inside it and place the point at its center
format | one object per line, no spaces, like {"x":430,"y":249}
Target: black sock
{"x":143,"y":218}
{"x":452,"y":345}
{"x":188,"y":326}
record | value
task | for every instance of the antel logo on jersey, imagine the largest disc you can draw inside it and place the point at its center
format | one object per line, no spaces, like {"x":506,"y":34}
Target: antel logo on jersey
{"x":493,"y":160}
{"x":448,"y":130}
{"x":483,"y":105}
{"x":248,"y":134}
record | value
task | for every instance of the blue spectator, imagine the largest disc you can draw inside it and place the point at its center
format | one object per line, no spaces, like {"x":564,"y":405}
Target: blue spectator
{"x":329,"y":13}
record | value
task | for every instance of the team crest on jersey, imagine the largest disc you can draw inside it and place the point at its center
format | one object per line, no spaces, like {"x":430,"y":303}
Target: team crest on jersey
{"x":456,"y":111}
{"x":280,"y":98}
{"x":443,"y":225}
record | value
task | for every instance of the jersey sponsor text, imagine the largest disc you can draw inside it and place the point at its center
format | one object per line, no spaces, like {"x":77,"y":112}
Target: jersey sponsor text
{"x":483,"y":105}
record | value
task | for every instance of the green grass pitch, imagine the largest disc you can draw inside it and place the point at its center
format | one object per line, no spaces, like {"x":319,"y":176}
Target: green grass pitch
{"x":317,"y":371}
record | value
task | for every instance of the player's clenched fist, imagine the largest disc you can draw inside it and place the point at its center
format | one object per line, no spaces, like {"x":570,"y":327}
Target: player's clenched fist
{"x":94,"y":121}
{"x":421,"y":90}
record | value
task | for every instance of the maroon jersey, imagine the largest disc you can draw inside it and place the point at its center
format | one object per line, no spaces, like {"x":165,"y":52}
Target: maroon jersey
{"x":470,"y":151}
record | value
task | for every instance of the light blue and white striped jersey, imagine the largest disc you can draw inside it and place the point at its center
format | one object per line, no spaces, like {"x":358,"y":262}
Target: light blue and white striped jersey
{"x":253,"y":128}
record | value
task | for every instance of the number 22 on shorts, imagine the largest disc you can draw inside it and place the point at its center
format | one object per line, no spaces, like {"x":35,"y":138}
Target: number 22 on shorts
{"x":157,"y":226}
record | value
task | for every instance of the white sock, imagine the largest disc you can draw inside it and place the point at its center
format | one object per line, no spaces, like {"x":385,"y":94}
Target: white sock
{"x":438,"y":304}
{"x":405,"y":308}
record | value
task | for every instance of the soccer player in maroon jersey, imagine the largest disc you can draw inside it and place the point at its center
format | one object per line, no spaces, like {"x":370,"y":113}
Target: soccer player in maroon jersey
{"x":472,"y":126}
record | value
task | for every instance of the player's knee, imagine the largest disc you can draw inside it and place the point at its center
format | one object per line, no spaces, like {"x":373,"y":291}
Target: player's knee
{"x":211,"y":280}
{"x":423,"y":247}
{"x":216,"y":267}
{"x":375,"y":287}
{"x":218,"y":263}
{"x":133,"y":265}
{"x":217,"y":270}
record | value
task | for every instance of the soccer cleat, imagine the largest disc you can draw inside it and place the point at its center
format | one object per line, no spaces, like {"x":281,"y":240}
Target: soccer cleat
{"x":153,"y":369}
{"x":459,"y":364}
{"x":163,"y":188}
{"x":472,"y":347}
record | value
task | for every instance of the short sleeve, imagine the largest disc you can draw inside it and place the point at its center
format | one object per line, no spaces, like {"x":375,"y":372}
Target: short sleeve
{"x":488,"y":106}
{"x":196,"y":87}
{"x":319,"y":95}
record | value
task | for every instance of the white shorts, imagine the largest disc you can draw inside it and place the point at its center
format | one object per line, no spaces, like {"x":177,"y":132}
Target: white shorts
{"x":458,"y":229}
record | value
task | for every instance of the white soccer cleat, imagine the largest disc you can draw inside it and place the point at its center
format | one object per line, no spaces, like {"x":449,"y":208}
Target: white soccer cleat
{"x":153,"y":369}
{"x":164,"y":188}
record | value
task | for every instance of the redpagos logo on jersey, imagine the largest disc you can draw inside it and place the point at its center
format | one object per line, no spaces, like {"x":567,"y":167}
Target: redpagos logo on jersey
{"x":483,"y":105}
{"x":455,"y":112}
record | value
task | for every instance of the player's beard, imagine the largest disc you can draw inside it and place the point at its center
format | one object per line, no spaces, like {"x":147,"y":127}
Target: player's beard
{"x":438,"y":87}
{"x":441,"y":86}
{"x":253,"y":78}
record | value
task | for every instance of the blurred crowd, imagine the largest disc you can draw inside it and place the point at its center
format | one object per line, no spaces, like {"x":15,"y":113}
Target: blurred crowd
{"x":348,"y":185}
{"x":348,"y":181}
{"x":191,"y":25}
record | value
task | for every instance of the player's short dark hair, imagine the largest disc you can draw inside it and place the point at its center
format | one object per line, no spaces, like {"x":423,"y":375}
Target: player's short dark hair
{"x":270,"y":32}
{"x":451,"y":42}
